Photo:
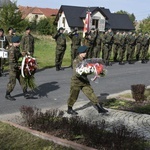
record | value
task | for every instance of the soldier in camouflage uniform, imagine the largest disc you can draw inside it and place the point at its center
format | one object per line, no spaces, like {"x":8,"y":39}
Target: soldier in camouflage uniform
{"x":27,"y":42}
{"x":107,"y":46}
{"x":122,"y":48}
{"x":93,"y":35}
{"x":60,"y":48}
{"x":14,"y":70}
{"x":4,"y":45}
{"x":145,"y":47}
{"x":138,"y":46}
{"x":9,"y":36}
{"x":98,"y":43}
{"x":76,"y":42}
{"x":131,"y":40}
{"x":116,"y":45}
{"x":81,"y":82}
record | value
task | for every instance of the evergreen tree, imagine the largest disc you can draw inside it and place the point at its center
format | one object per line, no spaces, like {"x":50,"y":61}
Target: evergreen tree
{"x":10,"y":16}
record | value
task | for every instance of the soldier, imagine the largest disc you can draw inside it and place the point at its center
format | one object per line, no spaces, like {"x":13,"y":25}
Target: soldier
{"x":60,"y":47}
{"x":76,"y":42}
{"x":131,"y":47}
{"x":93,"y":35}
{"x":145,"y":47}
{"x":138,"y":46}
{"x":122,"y":48}
{"x":81,"y":82}
{"x":27,"y":42}
{"x":3,"y":45}
{"x":116,"y":45}
{"x":98,"y":43}
{"x":9,"y":36}
{"x":14,"y":70}
{"x":107,"y":46}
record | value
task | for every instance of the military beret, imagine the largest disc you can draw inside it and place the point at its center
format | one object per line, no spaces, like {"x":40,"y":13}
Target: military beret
{"x":1,"y":30}
{"x":82,"y":49}
{"x":10,"y":28}
{"x":28,"y":28}
{"x":61,"y":28}
{"x":15,"y":39}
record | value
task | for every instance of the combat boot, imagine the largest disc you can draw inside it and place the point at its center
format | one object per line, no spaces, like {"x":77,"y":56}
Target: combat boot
{"x":100,"y":108}
{"x":71,"y":111}
{"x":9,"y":97}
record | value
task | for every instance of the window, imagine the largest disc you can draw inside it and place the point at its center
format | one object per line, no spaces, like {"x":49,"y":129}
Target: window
{"x":95,"y":23}
{"x":63,"y":21}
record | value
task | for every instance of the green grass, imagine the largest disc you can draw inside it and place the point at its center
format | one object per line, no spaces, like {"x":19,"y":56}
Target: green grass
{"x":12,"y":138}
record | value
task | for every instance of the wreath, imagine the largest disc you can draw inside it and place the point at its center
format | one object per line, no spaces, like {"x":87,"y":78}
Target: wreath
{"x":28,"y":69}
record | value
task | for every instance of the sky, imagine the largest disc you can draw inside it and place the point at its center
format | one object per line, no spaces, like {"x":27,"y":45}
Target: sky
{"x":140,"y":8}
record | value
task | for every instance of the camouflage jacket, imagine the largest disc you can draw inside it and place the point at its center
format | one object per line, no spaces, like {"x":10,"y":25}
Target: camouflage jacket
{"x":14,"y":55}
{"x":27,"y":43}
{"x":77,"y":79}
{"x":76,"y":39}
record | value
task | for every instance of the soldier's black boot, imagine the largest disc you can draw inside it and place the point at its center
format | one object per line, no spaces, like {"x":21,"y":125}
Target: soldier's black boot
{"x":27,"y":95}
{"x":57,"y":68}
{"x":9,"y":97}
{"x":71,"y":111}
{"x":100,"y":108}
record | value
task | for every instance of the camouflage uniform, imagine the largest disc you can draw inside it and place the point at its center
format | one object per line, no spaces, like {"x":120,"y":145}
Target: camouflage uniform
{"x":131,"y":47}
{"x":60,"y":49}
{"x":80,"y":82}
{"x":116,"y":45}
{"x":27,"y":44}
{"x":76,"y":42}
{"x":138,"y":46}
{"x":93,"y":35}
{"x":14,"y":71}
{"x":97,"y":48}
{"x":122,"y":47}
{"x":107,"y":46}
{"x":145,"y":47}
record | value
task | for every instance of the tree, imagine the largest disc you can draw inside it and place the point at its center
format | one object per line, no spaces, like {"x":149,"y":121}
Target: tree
{"x":10,"y":16}
{"x":45,"y":26}
{"x":131,"y":16}
{"x":145,"y":25}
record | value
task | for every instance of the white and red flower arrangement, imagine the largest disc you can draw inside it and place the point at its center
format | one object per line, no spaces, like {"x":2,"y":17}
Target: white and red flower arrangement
{"x":92,"y":66}
{"x":28,"y":69}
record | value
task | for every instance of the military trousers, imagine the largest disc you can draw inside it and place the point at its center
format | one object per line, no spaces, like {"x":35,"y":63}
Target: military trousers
{"x":13,"y":75}
{"x":59,"y":56}
{"x":87,"y":90}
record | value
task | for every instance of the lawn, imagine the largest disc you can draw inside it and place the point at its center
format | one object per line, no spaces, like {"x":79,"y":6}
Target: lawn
{"x":12,"y":138}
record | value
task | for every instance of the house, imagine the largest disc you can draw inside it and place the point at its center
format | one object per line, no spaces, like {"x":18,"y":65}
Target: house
{"x":70,"y":17}
{"x":37,"y":13}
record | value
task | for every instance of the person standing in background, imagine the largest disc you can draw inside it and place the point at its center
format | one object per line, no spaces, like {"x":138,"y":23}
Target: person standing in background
{"x":76,"y":42}
{"x":60,"y":39}
{"x":27,"y":42}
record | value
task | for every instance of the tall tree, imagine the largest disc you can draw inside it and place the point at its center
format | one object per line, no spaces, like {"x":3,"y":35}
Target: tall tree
{"x":11,"y":16}
{"x":145,"y":25}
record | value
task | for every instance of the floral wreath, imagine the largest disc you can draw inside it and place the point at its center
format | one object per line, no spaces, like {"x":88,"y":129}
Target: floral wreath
{"x":92,"y":66}
{"x":28,"y":69}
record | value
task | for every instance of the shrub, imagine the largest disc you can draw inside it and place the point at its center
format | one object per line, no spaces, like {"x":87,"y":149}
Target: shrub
{"x":81,"y":130}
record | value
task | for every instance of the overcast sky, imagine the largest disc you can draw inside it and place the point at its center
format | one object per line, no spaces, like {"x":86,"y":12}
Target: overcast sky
{"x":140,"y":8}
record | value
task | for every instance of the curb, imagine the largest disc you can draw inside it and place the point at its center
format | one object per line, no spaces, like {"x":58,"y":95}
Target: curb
{"x":51,"y":138}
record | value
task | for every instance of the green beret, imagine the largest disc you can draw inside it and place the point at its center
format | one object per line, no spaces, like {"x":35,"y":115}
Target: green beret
{"x":82,"y":49}
{"x":61,"y":28}
{"x":15,"y":39}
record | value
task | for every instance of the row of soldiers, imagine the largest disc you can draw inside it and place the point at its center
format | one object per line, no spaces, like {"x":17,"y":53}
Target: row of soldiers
{"x":122,"y":46}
